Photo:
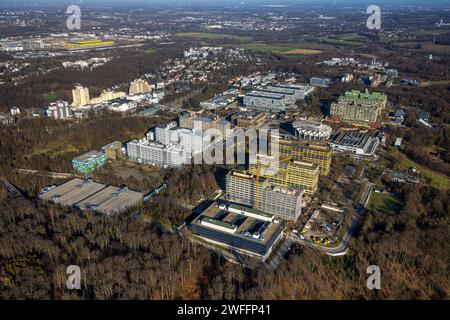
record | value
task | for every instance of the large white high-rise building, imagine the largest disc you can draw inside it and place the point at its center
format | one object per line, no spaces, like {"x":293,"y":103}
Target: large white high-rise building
{"x":192,"y":141}
{"x":147,"y":152}
{"x":169,"y":146}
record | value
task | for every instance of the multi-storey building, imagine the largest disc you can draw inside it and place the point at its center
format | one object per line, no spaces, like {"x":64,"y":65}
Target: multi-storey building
{"x":238,"y":228}
{"x":191,"y":140}
{"x":249,"y":119}
{"x":320,"y":82}
{"x":59,"y":110}
{"x":295,"y":174}
{"x":275,"y":199}
{"x":106,"y":96}
{"x":147,"y":152}
{"x":6,"y":119}
{"x":80,"y":96}
{"x":168,"y":145}
{"x":267,"y":101}
{"x":359,"y":107}
{"x":113,"y":150}
{"x":205,"y":123}
{"x":298,"y":91}
{"x":303,"y":151}
{"x":357,"y":143}
{"x":167,"y":133}
{"x":277,"y":97}
{"x":311,"y":130}
{"x":89,"y":161}
{"x":140,"y":86}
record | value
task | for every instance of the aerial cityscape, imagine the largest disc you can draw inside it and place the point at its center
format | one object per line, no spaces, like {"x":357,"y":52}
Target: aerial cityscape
{"x":224,"y":150}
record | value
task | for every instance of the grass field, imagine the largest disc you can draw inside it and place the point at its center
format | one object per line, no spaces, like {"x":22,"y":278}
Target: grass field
{"x":384,"y":203}
{"x":277,"y":48}
{"x":141,"y":167}
{"x":56,"y":149}
{"x":303,"y":51}
{"x":437,"y":179}
{"x":434,"y":32}
{"x":205,"y":35}
{"x":352,"y":40}
{"x":51,"y":97}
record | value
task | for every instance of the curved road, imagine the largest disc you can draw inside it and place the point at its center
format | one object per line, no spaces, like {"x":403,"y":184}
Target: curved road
{"x":343,"y":247}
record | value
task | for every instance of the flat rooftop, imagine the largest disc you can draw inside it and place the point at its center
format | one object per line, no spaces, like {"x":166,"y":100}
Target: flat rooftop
{"x":111,"y":200}
{"x":87,"y":194}
{"x":265,"y":95}
{"x":155,"y":145}
{"x":249,"y":115}
{"x":88,"y":156}
{"x":246,"y":226}
{"x":279,"y":90}
{"x":354,"y":139}
{"x":292,"y":86}
{"x":72,"y":192}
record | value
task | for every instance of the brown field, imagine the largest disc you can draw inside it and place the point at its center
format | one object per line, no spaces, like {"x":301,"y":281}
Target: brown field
{"x":302,"y":51}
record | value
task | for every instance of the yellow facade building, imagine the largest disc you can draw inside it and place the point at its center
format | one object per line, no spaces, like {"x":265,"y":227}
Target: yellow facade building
{"x":290,"y":173}
{"x":140,"y":86}
{"x":305,"y":151}
{"x":107,"y":95}
{"x":80,"y":96}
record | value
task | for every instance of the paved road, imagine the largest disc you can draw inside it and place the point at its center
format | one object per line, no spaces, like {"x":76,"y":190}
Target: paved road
{"x":343,"y":247}
{"x":11,"y":188}
{"x":56,"y":175}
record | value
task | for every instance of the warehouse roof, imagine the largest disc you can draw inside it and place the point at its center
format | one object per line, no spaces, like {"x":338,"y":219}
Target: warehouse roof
{"x":87,"y":194}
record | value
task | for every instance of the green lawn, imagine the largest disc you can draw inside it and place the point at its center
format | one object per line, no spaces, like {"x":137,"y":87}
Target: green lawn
{"x":51,"y":97}
{"x":206,"y":35}
{"x":384,"y":203}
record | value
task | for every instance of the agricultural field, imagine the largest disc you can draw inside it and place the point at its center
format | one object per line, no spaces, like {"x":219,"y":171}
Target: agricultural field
{"x":278,"y":48}
{"x":434,"y":32}
{"x":205,"y":35}
{"x":352,"y":40}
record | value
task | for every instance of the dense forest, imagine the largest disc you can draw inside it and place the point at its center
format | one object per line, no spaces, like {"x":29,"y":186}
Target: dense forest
{"x":128,"y":257}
